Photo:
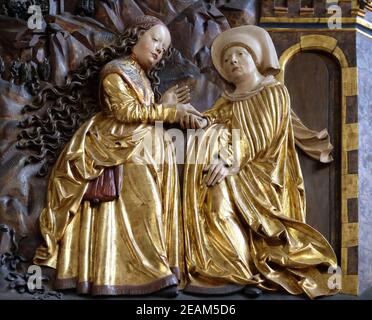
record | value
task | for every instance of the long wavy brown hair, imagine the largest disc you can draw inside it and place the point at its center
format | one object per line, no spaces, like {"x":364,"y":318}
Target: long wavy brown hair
{"x":70,"y":105}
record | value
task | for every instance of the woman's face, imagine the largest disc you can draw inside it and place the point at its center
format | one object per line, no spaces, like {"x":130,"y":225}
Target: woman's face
{"x":237,"y":62}
{"x":151,"y":46}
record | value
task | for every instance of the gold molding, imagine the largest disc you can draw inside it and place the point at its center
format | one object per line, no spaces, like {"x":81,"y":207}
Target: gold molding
{"x":344,"y":163}
{"x":286,"y":29}
{"x":290,"y":52}
{"x":340,"y":56}
{"x":344,"y":261}
{"x":357,"y":20}
{"x":350,"y":187}
{"x":350,"y":81}
{"x":318,"y":42}
{"x":321,"y":43}
{"x":354,"y":4}
{"x":344,"y":216}
{"x":350,"y":138}
{"x":350,"y":284}
{"x":297,"y":30}
{"x":305,"y":20}
{"x":349,"y":236}
{"x":349,"y":182}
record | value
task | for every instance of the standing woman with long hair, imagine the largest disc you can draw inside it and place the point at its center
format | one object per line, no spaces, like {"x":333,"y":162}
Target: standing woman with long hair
{"x":112,"y":222}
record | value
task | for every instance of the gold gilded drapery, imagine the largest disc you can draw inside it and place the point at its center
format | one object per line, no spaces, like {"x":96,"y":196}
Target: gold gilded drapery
{"x":132,"y":245}
{"x":250,"y":229}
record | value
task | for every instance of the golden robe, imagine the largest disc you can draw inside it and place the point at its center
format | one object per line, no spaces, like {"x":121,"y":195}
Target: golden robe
{"x":131,"y":245}
{"x":250,"y":229}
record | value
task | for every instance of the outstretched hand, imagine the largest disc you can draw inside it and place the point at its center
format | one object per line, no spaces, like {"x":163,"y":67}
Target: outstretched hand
{"x":188,"y":116}
{"x":177,"y":94}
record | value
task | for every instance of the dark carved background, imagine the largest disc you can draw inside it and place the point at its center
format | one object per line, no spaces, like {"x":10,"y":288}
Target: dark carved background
{"x":32,"y":59}
{"x":29,"y":59}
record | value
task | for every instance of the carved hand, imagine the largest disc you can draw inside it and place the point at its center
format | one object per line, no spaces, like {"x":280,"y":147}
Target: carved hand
{"x":190,"y":118}
{"x":176,"y":94}
{"x":215,"y":173}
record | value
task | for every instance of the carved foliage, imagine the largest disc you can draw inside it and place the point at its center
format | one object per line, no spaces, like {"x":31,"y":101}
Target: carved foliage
{"x":13,"y":265}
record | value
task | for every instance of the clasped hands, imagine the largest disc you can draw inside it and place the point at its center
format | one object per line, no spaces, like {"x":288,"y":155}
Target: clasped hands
{"x":190,"y":118}
{"x":186,"y":115}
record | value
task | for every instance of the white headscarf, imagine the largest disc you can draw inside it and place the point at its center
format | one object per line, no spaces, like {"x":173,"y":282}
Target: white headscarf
{"x":257,"y":41}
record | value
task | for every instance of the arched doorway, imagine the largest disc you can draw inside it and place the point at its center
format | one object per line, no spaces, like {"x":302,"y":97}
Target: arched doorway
{"x":313,"y":79}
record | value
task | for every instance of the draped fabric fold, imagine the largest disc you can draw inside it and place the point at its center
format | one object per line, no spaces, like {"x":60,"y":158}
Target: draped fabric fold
{"x":250,"y":229}
{"x":132,"y":245}
{"x":315,"y":144}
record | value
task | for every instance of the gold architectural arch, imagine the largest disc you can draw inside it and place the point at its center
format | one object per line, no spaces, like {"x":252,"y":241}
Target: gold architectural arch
{"x":349,"y":143}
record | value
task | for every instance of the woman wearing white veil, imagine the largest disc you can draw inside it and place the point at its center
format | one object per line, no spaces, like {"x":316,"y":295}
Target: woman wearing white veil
{"x":244,"y":211}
